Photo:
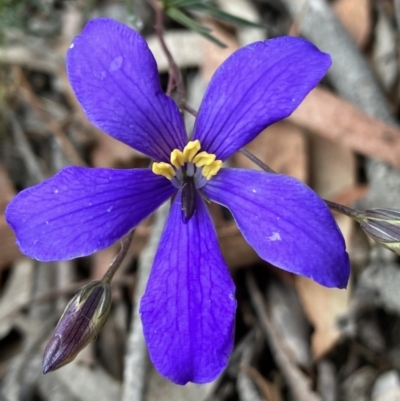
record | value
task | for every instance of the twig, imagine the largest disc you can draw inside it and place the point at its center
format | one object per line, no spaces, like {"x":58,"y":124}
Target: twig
{"x":24,"y":147}
{"x":136,"y":359}
{"x":53,"y":127}
{"x":23,"y":372}
{"x":295,"y":378}
{"x":175,"y":72}
{"x":397,"y":13}
{"x":245,"y":385}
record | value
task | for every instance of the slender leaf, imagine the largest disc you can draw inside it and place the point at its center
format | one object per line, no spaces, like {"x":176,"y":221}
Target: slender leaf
{"x":223,"y":16}
{"x":186,"y":21}
{"x":183,"y":19}
{"x":183,"y":3}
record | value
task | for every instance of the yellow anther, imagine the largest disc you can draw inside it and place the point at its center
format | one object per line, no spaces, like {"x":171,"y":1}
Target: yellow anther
{"x":164,"y":169}
{"x":203,"y":159}
{"x":211,"y":169}
{"x":190,"y":150}
{"x":177,"y":158}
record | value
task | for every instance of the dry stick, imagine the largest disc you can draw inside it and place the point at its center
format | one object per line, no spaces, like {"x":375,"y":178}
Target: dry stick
{"x":53,"y":127}
{"x":397,"y":13}
{"x":175,"y":72}
{"x":25,"y":149}
{"x":136,"y":359}
{"x":295,"y":378}
{"x":245,"y":385}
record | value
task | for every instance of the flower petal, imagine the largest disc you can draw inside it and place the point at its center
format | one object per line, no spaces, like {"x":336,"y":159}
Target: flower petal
{"x":188,"y":309}
{"x":80,"y":210}
{"x":115,"y":78}
{"x":286,"y":223}
{"x":258,"y":85}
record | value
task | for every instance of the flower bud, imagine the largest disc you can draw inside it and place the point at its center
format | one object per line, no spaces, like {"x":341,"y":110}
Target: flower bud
{"x":81,"y":321}
{"x":383,"y":226}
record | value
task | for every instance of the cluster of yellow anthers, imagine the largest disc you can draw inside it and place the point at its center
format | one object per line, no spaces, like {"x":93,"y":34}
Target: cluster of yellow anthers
{"x":188,"y":155}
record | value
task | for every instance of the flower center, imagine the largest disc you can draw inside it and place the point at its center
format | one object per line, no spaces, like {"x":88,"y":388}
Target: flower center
{"x":188,"y":171}
{"x":189,"y":165}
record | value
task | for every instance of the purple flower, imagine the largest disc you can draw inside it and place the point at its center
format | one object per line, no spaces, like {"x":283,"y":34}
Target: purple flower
{"x":188,"y":310}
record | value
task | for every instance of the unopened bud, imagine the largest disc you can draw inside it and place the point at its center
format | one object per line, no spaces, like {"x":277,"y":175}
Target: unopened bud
{"x":81,"y":321}
{"x":383,"y":226}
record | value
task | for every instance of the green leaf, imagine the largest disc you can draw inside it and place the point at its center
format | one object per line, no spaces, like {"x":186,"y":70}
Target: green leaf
{"x":186,"y":21}
{"x":223,"y":16}
{"x":183,"y":3}
{"x":183,"y":19}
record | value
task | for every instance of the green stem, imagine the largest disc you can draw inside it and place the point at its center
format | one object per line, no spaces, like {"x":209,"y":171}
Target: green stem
{"x":116,"y":263}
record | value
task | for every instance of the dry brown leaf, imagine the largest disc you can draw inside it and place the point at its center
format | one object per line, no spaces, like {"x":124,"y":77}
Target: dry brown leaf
{"x":108,"y":152}
{"x":333,"y":167}
{"x":333,"y":118}
{"x":8,"y":249}
{"x":351,"y":195}
{"x":270,"y":391}
{"x":214,"y":56}
{"x":237,"y":252}
{"x":283,"y":147}
{"x":7,"y":191}
{"x":333,"y":170}
{"x":323,"y":306}
{"x":355,"y":16}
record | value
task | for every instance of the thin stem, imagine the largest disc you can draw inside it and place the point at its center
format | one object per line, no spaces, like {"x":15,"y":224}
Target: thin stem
{"x":190,"y":110}
{"x":175,"y":72}
{"x":353,"y":213}
{"x":256,"y":160}
{"x":116,"y":263}
{"x":171,"y":84}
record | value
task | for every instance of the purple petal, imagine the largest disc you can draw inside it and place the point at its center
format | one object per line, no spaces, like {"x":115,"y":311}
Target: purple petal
{"x":258,"y":85}
{"x":115,"y":78}
{"x":80,"y":210}
{"x":286,"y":223}
{"x":188,"y":309}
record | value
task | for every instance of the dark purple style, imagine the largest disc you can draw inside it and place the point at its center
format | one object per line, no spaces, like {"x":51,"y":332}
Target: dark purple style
{"x":188,"y":310}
